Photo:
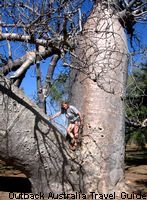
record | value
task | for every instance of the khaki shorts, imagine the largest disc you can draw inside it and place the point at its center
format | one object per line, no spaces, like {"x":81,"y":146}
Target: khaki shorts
{"x":77,"y":121}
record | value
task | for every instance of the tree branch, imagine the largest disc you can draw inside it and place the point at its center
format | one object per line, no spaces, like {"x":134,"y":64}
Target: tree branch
{"x":9,"y":51}
{"x":131,"y":4}
{"x":139,"y":14}
{"x":40,"y":96}
{"x":23,"y":38}
{"x":49,"y":75}
{"x":30,"y":60}
{"x":22,"y":5}
{"x":44,"y":53}
{"x":144,"y":123}
{"x":17,"y":95}
{"x":139,"y":7}
{"x":26,"y":61}
{"x":19,"y":25}
{"x":18,"y":82}
{"x":136,"y":124}
{"x":13,"y":66}
{"x":124,"y":13}
{"x":80,"y":20}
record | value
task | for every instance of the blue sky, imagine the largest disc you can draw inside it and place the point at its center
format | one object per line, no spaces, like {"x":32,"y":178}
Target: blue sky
{"x":29,"y":83}
{"x":141,"y":34}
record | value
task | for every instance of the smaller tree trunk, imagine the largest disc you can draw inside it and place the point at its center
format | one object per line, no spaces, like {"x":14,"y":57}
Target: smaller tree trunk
{"x":40,"y":96}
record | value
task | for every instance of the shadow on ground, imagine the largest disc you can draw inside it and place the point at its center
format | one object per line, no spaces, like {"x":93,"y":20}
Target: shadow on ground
{"x":12,"y":180}
{"x":142,"y":182}
{"x":136,"y":171}
{"x":15,"y":184}
{"x":136,"y":158}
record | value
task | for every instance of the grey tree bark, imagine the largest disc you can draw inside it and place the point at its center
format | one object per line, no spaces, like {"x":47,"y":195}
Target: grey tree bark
{"x":34,"y":145}
{"x":100,"y":97}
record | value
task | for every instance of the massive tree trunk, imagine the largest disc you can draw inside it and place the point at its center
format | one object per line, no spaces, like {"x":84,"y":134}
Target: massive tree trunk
{"x":99,"y":93}
{"x":32,"y":144}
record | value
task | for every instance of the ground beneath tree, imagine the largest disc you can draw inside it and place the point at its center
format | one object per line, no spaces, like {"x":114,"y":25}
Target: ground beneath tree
{"x":136,"y":171}
{"x":12,"y":180}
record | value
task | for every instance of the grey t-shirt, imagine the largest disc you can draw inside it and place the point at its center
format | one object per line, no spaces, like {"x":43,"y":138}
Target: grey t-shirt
{"x":71,"y":113}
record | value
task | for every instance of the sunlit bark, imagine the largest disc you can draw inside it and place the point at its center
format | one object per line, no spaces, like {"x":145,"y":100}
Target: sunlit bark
{"x":103,"y":52}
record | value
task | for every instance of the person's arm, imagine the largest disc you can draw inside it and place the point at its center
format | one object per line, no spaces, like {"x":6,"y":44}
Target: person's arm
{"x":81,"y":119}
{"x":56,"y":115}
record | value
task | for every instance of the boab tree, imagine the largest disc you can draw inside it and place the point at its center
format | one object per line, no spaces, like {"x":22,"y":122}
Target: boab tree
{"x":95,"y":48}
{"x":103,"y":58}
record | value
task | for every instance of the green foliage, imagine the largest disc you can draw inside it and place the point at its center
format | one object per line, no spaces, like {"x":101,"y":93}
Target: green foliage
{"x":137,"y":137}
{"x":59,"y":89}
{"x":136,"y":108}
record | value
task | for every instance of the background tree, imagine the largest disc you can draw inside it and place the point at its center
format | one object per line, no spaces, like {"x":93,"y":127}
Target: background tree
{"x":94,"y":45}
{"x":136,"y":106}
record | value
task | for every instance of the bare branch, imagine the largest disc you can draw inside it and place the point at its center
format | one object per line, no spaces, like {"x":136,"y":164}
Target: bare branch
{"x":80,"y":20}
{"x":19,"y":80}
{"x":136,"y":124}
{"x":21,"y":5}
{"x":132,"y":10}
{"x":144,"y":123}
{"x":131,"y":3}
{"x":19,"y":25}
{"x":140,"y":14}
{"x":9,"y":50}
{"x":39,"y":82}
{"x":13,"y":66}
{"x":30,"y":59}
{"x":126,"y":3}
{"x":23,"y":38}
{"x":50,"y":73}
{"x":43,"y":53}
{"x":139,"y":7}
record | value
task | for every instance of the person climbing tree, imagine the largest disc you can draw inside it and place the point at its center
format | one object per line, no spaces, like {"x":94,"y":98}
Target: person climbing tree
{"x":74,"y":121}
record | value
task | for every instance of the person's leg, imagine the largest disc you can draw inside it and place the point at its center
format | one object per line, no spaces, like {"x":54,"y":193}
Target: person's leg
{"x":76,"y":130}
{"x":69,"y":130}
